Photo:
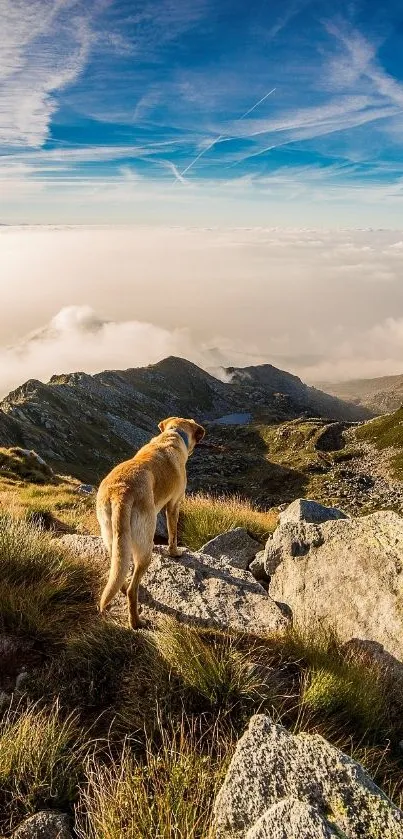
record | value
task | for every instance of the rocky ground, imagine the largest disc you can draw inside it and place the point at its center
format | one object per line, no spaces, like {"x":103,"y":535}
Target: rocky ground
{"x":364,"y":483}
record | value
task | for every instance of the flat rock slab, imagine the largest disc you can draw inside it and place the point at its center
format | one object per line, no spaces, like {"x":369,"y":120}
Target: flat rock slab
{"x":196,"y":589}
{"x":347,"y":574}
{"x":299,"y":787}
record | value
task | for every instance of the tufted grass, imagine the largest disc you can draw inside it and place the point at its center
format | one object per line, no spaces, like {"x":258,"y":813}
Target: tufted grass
{"x":40,"y":761}
{"x":44,"y":591}
{"x":203,"y":517}
{"x":167,"y":794}
{"x":218,"y":671}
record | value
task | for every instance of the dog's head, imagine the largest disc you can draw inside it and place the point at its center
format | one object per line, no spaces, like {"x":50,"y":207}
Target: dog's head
{"x":194,"y":432}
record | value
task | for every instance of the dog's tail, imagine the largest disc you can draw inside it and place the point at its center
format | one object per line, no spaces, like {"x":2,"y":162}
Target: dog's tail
{"x":121,"y":550}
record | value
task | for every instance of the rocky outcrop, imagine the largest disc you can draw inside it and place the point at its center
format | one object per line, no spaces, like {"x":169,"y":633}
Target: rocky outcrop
{"x":299,"y":787}
{"x":298,"y":530}
{"x":235,"y":546}
{"x":346,"y":573}
{"x":48,"y":824}
{"x":196,"y":589}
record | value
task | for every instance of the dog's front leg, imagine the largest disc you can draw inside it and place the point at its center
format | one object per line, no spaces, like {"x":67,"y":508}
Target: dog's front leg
{"x":172,"y":514}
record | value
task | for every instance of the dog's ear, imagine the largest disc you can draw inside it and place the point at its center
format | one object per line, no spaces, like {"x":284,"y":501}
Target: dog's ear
{"x":199,"y":432}
{"x":163,"y":424}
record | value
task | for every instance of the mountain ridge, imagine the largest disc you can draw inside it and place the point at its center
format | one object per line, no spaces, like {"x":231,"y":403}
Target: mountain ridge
{"x":83,"y":423}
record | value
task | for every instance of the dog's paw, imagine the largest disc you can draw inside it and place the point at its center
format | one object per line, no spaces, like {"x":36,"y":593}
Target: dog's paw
{"x":176,"y":551}
{"x":139,"y":624}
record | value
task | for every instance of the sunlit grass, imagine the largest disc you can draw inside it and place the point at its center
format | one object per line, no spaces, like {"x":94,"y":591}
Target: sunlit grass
{"x":203,"y":517}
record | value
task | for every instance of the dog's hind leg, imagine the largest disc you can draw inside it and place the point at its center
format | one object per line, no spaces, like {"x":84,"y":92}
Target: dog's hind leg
{"x":143,"y":528}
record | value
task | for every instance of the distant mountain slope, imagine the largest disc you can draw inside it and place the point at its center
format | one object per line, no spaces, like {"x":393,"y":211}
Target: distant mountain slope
{"x":83,"y":424}
{"x":271,"y":380}
{"x":380,"y":396}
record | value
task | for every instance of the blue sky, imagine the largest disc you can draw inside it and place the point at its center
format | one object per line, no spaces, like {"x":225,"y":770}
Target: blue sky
{"x":202,"y":112}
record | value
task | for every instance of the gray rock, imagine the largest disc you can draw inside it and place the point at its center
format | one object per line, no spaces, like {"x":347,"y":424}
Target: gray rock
{"x":48,"y":824}
{"x":85,"y":489}
{"x":297,"y":531}
{"x":235,"y":546}
{"x":306,"y":783}
{"x":195,"y":588}
{"x":161,"y":531}
{"x":21,"y":679}
{"x":349,"y":576}
{"x":311,"y":512}
{"x":257,"y":567}
{"x":90,"y":547}
{"x":290,"y":540}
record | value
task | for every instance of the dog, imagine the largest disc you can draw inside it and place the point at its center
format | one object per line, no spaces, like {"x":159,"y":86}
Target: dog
{"x":131,"y":496}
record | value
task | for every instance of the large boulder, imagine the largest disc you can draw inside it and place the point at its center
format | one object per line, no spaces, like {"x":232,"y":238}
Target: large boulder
{"x":235,"y":546}
{"x":348,"y":574}
{"x":195,"y":588}
{"x":298,"y":528}
{"x":299,"y":787}
{"x":48,"y":824}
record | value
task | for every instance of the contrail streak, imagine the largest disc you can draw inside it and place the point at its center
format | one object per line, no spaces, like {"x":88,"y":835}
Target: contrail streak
{"x":222,"y":136}
{"x":257,"y":104}
{"x":203,"y":151}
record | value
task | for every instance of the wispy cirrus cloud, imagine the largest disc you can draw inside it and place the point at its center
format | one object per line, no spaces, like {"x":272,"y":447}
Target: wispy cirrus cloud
{"x":45,"y":46}
{"x":93,"y":91}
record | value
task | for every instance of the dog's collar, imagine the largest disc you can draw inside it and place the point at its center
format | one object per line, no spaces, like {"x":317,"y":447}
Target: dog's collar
{"x":185,"y":437}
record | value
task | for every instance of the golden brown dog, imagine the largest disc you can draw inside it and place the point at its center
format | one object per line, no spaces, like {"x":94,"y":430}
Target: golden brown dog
{"x":130,"y":498}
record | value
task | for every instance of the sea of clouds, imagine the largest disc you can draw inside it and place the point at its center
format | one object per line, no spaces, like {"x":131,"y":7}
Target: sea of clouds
{"x":327,"y":305}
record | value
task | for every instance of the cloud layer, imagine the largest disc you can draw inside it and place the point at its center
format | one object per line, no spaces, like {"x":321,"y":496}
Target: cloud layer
{"x":327,"y":305}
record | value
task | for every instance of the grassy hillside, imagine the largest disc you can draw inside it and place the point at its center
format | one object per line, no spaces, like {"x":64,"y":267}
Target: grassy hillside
{"x":386,"y":433}
{"x":131,"y":733}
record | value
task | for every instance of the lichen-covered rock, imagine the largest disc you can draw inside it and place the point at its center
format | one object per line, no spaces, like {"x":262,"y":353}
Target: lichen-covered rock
{"x":348,"y":574}
{"x":48,"y":824}
{"x":195,"y":588}
{"x":235,"y":546}
{"x":299,"y":787}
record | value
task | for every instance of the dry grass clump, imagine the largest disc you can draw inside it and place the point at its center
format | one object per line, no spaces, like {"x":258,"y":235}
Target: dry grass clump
{"x":203,"y":517}
{"x":40,"y":762}
{"x":168,"y":793}
{"x":218,"y":671}
{"x":23,"y":463}
{"x":59,"y":498}
{"x":44,"y":591}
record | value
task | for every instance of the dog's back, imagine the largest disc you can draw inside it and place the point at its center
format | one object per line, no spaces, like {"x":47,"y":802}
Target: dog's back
{"x":130,"y":497}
